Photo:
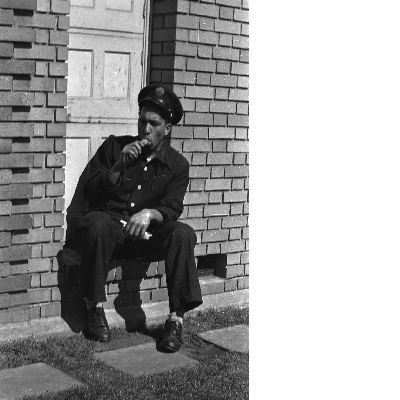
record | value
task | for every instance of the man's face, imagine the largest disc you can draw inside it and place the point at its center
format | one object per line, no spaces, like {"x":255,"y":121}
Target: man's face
{"x":152,"y":126}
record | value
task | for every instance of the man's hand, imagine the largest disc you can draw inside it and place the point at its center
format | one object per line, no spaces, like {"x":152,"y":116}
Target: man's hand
{"x":138,"y":224}
{"x":130,"y":153}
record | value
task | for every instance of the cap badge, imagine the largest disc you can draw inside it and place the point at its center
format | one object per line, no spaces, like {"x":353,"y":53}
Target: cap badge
{"x":159,"y":91}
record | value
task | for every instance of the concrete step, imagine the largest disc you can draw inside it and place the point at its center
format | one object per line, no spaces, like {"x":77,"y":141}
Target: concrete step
{"x":33,"y":379}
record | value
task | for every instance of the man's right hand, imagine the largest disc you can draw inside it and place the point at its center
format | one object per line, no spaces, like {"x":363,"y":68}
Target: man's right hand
{"x":129,"y":153}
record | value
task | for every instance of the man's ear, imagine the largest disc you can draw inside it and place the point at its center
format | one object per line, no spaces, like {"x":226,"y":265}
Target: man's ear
{"x":167,"y":129}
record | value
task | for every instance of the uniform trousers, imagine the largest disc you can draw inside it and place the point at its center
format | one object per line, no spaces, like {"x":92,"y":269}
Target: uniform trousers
{"x":101,"y":238}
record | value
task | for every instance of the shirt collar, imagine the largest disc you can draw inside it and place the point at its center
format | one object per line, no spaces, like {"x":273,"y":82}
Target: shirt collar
{"x":163,"y":154}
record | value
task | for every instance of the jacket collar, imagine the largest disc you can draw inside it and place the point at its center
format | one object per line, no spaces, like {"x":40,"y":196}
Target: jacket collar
{"x":164,"y":154}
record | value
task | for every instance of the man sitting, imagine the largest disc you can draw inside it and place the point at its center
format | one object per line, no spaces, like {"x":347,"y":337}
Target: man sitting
{"x":135,"y":191}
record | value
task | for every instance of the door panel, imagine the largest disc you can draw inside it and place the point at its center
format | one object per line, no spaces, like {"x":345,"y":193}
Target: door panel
{"x":105,"y":73}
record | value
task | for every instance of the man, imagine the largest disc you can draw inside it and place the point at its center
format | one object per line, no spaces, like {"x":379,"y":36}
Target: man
{"x":135,"y":191}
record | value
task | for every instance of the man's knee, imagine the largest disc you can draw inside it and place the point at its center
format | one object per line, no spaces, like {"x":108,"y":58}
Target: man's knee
{"x":95,"y":223}
{"x":182,"y":231}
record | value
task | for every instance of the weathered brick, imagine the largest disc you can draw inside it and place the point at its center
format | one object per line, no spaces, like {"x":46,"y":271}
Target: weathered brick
{"x":55,"y":160}
{"x":34,"y":145}
{"x":240,"y":69}
{"x":42,"y":36}
{"x":197,"y":146}
{"x":5,"y":269}
{"x":5,"y":113}
{"x":197,"y":185}
{"x":199,"y":119}
{"x":59,"y":176}
{"x":218,"y":184}
{"x":33,"y":236}
{"x":56,"y":130}
{"x":34,"y":205}
{"x":233,"y":222}
{"x":51,"y":249}
{"x":60,"y":115}
{"x":229,"y":3}
{"x":195,"y":198}
{"x":215,"y":210}
{"x":51,"y":220}
{"x":63,"y":22}
{"x":200,"y":92}
{"x":230,"y":284}
{"x":185,"y":49}
{"x":37,"y":21}
{"x":51,"y":309}
{"x":61,"y":85}
{"x":5,"y":176}
{"x":219,"y":159}
{"x":6,"y":17}
{"x":215,"y":235}
{"x":212,"y":285}
{"x":58,"y":69}
{"x":214,"y":223}
{"x":17,"y":67}
{"x":16,"y":99}
{"x":241,"y":15}
{"x":238,"y":146}
{"x":199,"y":172}
{"x":5,"y":146}
{"x":31,"y":266}
{"x":243,"y":283}
{"x":14,"y":34}
{"x":57,"y":99}
{"x":15,"y":191}
{"x":205,"y":37}
{"x":233,"y":246}
{"x":5,"y":208}
{"x":14,"y":253}
{"x":59,"y":38}
{"x":6,"y":50}
{"x":219,"y":146}
{"x":235,"y":197}
{"x":19,"y":4}
{"x":55,"y":190}
{"x":35,"y":84}
{"x":187,"y":21}
{"x":60,"y":6}
{"x":201,"y":65}
{"x":40,"y":114}
{"x":15,"y":222}
{"x":16,"y":160}
{"x":5,"y":239}
{"x":237,"y":171}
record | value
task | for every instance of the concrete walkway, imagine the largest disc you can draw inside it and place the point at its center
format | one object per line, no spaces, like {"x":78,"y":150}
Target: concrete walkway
{"x":142,"y":358}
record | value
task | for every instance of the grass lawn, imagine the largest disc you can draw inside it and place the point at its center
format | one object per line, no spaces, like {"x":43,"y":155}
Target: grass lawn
{"x":219,"y":374}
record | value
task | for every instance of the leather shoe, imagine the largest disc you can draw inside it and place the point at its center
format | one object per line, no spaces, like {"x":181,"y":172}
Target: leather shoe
{"x":97,"y":325}
{"x":172,"y":339}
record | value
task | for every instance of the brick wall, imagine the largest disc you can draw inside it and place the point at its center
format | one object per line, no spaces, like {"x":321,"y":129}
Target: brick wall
{"x":33,"y":99}
{"x":201,"y":48}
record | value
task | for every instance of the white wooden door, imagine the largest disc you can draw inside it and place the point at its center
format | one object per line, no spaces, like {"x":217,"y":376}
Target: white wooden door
{"x":106,"y":69}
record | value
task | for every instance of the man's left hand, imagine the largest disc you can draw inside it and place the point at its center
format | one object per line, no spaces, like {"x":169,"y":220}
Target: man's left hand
{"x":138,"y":224}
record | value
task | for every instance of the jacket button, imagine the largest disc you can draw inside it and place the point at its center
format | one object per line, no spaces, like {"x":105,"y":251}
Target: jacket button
{"x":139,"y":187}
{"x":132,"y":205}
{"x":145,"y":169}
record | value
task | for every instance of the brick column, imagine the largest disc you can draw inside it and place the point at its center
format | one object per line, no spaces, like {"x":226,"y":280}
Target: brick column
{"x":33,"y":100}
{"x":201,"y":50}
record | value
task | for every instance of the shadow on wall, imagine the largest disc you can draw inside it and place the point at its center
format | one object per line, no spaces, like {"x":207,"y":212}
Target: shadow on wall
{"x":76,"y":210}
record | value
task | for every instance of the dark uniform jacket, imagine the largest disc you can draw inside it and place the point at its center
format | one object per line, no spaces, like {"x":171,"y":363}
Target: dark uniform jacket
{"x":160,"y":184}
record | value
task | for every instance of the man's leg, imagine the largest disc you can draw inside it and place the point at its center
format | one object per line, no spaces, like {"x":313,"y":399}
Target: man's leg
{"x":97,"y":242}
{"x":175,"y":242}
